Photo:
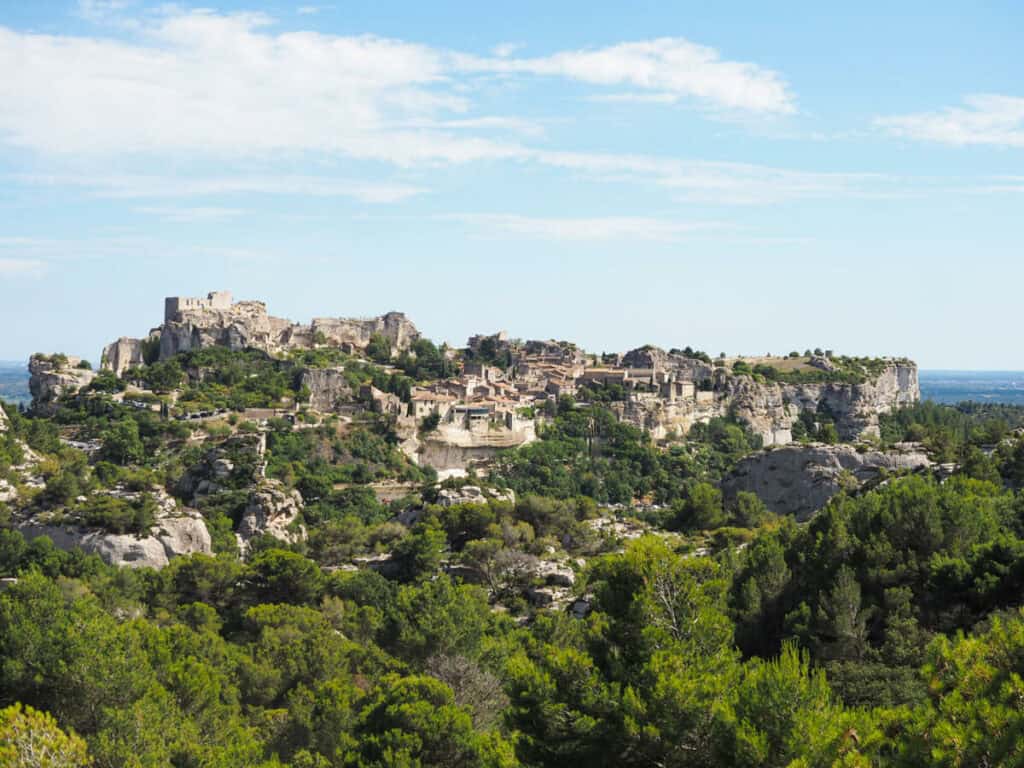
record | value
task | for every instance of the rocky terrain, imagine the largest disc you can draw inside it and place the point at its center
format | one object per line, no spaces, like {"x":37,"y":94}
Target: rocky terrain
{"x":54,"y":375}
{"x":247,"y":324}
{"x":177,"y":531}
{"x":497,"y":396}
{"x":799,"y":480}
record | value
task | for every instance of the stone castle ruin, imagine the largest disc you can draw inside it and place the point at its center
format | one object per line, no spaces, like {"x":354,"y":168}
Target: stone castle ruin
{"x":174,"y":305}
{"x":217,"y":320}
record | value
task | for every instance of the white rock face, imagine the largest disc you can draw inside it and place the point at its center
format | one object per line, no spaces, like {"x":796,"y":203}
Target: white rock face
{"x":394,"y":326}
{"x":4,"y":425}
{"x":49,"y":380}
{"x":472,"y":494}
{"x":247,"y":324}
{"x":771,"y":409}
{"x":241,"y":325}
{"x":123,"y":354}
{"x":798,"y":480}
{"x":176,"y":532}
{"x":328,"y":388}
{"x":272,"y":509}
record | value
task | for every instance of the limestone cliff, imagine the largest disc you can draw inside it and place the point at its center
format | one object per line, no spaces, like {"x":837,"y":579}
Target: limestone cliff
{"x":394,"y":326}
{"x":771,"y":409}
{"x":798,"y":480}
{"x":241,"y":325}
{"x":125,"y":353}
{"x":328,"y":388}
{"x":195,"y":323}
{"x":451,"y":449}
{"x":51,"y":376}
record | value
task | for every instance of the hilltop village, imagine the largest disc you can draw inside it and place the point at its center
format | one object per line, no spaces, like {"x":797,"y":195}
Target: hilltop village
{"x":496,"y":388}
{"x":224,"y":398}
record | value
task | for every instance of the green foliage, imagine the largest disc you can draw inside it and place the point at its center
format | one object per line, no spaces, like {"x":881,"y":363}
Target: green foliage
{"x":32,"y":739}
{"x":122,"y":443}
{"x":379,"y":349}
{"x":588,"y":452}
{"x":119,"y":515}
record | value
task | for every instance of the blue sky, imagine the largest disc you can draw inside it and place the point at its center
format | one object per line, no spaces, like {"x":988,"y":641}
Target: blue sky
{"x":730,"y":176}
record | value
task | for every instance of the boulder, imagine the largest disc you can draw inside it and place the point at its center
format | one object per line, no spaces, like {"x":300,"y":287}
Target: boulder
{"x":473,"y":494}
{"x":798,"y":480}
{"x":556,"y":574}
{"x":271,"y":509}
{"x":7,"y":492}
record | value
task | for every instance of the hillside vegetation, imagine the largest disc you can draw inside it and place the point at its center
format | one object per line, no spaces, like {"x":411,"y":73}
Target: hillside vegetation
{"x":594,"y":601}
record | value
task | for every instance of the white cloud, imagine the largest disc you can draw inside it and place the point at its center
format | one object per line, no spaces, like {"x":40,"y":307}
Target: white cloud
{"x":195,"y":214}
{"x":637,"y":98}
{"x":503,"y":50}
{"x":101,"y":10}
{"x":987,"y":119}
{"x":632,"y":228}
{"x":718,"y":182}
{"x":226,"y":91}
{"x":667,"y":65}
{"x":22,"y":267}
{"x":199,"y":81}
{"x":149,"y":186}
{"x":308,"y":10}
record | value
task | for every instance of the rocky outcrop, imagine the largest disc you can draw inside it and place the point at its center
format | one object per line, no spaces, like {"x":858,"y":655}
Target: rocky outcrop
{"x":770,"y":409}
{"x":394,"y":326}
{"x":197,"y":323}
{"x":274,"y":510}
{"x":123,"y":354}
{"x":656,"y":358}
{"x":328,"y":388}
{"x":176,"y":532}
{"x":798,"y":480}
{"x":236,"y":463}
{"x":4,"y":425}
{"x":452,"y":449}
{"x":51,"y":376}
{"x":239,"y":326}
{"x":473,"y":494}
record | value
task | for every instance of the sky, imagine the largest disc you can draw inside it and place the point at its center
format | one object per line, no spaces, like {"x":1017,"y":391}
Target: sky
{"x":739,"y":177}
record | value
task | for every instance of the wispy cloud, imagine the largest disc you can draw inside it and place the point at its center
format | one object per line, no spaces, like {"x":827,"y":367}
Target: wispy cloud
{"x":720,"y":182}
{"x":101,"y":10}
{"x":151,"y":186}
{"x":503,"y":50}
{"x":991,"y":119}
{"x":667,"y":65}
{"x":22,"y":267}
{"x":633,"y":228}
{"x":637,"y":98}
{"x":197,"y":81}
{"x":193,"y":214}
